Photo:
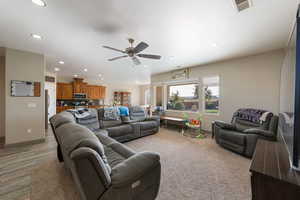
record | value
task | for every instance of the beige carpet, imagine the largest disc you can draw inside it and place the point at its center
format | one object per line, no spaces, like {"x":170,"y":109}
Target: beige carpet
{"x":192,"y":169}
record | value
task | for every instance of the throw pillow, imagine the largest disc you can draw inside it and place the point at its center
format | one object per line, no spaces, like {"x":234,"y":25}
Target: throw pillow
{"x":111,"y":113}
{"x":124,"y":111}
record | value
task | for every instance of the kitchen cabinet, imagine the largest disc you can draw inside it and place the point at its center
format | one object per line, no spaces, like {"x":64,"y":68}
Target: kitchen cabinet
{"x":79,"y":86}
{"x":103,"y":92}
{"x":95,"y":92}
{"x":64,"y":91}
{"x":67,"y":90}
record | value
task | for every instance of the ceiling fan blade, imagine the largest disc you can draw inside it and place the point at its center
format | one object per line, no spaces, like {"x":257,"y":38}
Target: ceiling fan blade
{"x":114,"y":49}
{"x":157,"y":57}
{"x":136,"y":61}
{"x":116,"y":58}
{"x":140,"y":47}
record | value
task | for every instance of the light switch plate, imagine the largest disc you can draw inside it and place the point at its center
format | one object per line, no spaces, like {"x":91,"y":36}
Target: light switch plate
{"x":31,"y":105}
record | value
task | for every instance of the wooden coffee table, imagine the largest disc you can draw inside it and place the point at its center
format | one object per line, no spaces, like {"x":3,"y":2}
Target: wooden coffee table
{"x":174,"y":121}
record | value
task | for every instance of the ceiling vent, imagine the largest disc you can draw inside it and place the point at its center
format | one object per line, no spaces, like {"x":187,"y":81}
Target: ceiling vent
{"x":242,"y":4}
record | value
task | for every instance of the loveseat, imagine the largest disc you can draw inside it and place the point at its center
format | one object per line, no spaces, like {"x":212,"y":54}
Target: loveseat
{"x":241,"y":135}
{"x":102,"y":168}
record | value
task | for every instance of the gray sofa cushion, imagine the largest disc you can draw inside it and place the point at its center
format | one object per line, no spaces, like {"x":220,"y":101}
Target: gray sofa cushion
{"x":111,"y":123}
{"x":62,"y":118}
{"x":114,"y":157}
{"x":233,"y":136}
{"x":120,"y":130}
{"x":146,"y":125}
{"x":111,"y":113}
{"x":105,"y":140}
{"x":101,"y":132}
{"x":133,"y":168}
{"x":122,"y":150}
{"x":71,"y":135}
{"x":137,"y":113}
{"x":90,"y":121}
{"x":104,"y":123}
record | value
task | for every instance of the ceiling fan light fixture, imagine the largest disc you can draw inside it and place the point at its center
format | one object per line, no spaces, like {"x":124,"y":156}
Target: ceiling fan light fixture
{"x":40,"y":3}
{"x":36,"y":36}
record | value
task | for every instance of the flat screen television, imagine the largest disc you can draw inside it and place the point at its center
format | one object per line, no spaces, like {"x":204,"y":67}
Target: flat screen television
{"x":289,"y":116}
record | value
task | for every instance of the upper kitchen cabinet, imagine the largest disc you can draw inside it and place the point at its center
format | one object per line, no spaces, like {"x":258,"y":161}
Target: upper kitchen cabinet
{"x":103,"y":92}
{"x":95,"y":92}
{"x":64,"y":91}
{"x":79,"y":86}
{"x":67,"y":90}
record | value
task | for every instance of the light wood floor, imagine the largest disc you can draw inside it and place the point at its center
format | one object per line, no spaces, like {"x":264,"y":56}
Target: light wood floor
{"x":18,"y":165}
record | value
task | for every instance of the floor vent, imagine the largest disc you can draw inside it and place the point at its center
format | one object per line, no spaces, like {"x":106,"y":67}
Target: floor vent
{"x":242,"y":4}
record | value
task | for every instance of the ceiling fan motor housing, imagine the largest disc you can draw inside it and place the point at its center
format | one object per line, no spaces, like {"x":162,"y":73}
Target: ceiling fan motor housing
{"x":130,"y":51}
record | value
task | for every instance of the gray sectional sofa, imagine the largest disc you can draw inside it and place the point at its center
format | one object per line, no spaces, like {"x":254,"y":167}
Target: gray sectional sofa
{"x":103,"y":168}
{"x":136,"y":125}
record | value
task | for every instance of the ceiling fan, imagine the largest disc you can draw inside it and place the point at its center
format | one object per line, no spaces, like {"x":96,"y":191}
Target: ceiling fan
{"x":133,"y":52}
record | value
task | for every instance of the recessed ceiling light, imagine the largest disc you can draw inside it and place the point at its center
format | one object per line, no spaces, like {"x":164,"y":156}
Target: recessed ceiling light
{"x":214,"y":45}
{"x":39,"y":3}
{"x":85,"y":70}
{"x":61,"y":62}
{"x":56,"y":69}
{"x":36,"y":36}
{"x":75,"y":75}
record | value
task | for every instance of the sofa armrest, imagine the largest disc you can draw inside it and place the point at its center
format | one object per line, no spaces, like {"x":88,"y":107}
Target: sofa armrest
{"x":130,"y":121}
{"x":224,"y":125}
{"x":154,"y":118}
{"x":89,"y":164}
{"x":135,"y":167}
{"x":266,"y":134}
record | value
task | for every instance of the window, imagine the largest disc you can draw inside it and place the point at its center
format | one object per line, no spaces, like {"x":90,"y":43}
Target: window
{"x":183,"y":97}
{"x":147,"y":96}
{"x":211,"y":95}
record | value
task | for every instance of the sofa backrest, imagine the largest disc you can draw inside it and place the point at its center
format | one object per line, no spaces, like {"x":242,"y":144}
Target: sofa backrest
{"x":107,"y":123}
{"x":137,"y":113}
{"x":84,"y":155}
{"x":62,"y":118}
{"x":268,"y":124}
{"x":91,"y":121}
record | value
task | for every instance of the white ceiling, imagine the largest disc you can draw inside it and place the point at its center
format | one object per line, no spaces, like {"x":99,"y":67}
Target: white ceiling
{"x":183,"y":32}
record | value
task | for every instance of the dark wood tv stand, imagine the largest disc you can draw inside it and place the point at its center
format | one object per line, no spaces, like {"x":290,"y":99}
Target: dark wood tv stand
{"x":271,"y":175}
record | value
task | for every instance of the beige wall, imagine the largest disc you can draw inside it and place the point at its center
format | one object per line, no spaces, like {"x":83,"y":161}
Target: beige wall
{"x":25,"y":116}
{"x":252,"y":81}
{"x":143,"y":88}
{"x":2,"y":96}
